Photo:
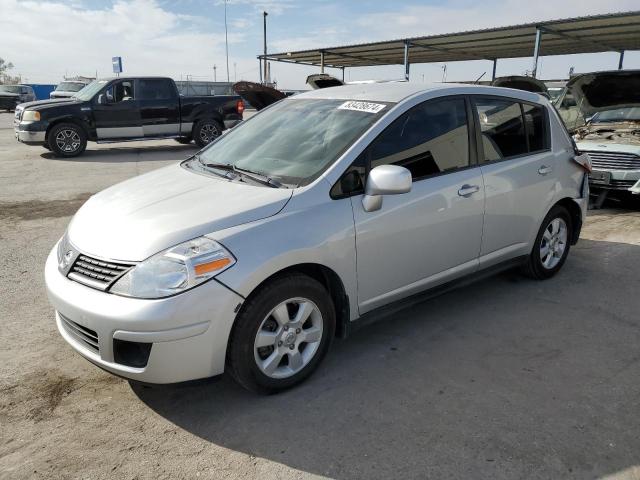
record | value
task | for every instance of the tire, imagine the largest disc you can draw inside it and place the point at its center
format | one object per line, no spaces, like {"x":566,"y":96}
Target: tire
{"x":183,"y":140}
{"x":67,"y":140}
{"x":541,"y":265}
{"x":205,"y":131}
{"x":267,"y":351}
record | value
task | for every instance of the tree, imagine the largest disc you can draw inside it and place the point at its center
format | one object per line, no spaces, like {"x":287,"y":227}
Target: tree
{"x":4,"y":72}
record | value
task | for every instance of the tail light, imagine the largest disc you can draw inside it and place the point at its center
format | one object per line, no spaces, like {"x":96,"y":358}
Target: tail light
{"x":240,"y":107}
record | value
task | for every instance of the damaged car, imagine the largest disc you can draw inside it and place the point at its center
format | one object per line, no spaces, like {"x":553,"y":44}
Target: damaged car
{"x":521,"y":82}
{"x":608,"y":128}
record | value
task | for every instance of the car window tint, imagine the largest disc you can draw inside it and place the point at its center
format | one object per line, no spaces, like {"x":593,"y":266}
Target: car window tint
{"x":120,"y":91}
{"x":155,"y":89}
{"x":430,"y":138}
{"x":535,"y":120}
{"x":501,"y":128}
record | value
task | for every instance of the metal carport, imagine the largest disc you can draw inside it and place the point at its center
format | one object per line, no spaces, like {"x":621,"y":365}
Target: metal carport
{"x":615,"y":32}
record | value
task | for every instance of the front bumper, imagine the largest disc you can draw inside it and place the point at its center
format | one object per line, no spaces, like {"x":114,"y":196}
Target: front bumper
{"x":30,"y":137}
{"x":188,"y":332}
{"x":618,"y":180}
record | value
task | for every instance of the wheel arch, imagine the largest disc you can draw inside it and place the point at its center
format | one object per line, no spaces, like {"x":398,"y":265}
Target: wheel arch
{"x":576,"y":216}
{"x":73,"y":120}
{"x":329,"y":279}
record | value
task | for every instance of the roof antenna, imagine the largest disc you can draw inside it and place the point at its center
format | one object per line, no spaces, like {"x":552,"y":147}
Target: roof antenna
{"x":478,"y":79}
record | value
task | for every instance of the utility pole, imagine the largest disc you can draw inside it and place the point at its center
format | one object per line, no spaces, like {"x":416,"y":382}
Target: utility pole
{"x":214,"y":73}
{"x":226,"y":39}
{"x":264,"y":22}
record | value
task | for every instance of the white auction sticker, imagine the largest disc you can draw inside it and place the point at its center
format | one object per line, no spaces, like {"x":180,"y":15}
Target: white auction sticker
{"x":362,"y":106}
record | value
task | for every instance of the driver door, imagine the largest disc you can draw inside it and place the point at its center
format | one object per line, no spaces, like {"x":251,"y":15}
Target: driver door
{"x":433,"y":233}
{"x":118,"y":116}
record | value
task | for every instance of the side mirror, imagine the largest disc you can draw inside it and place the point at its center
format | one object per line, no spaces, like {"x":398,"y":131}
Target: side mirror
{"x":385,"y":180}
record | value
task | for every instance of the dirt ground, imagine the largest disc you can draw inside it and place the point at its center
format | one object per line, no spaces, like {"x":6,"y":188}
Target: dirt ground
{"x":506,"y":378}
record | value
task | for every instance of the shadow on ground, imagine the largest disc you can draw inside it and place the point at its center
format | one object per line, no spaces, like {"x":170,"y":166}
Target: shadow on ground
{"x":506,"y":378}
{"x":129,"y":154}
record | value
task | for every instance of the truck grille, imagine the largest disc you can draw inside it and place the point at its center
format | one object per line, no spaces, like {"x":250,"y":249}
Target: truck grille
{"x":83,"y":335}
{"x":100,"y":274}
{"x":614,"y":161}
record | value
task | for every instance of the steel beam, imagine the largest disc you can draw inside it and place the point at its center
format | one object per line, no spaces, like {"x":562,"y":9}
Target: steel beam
{"x":536,"y":52}
{"x":493,"y":74}
{"x":321,"y":61}
{"x":621,"y":60}
{"x":406,"y":60}
{"x":578,"y":38}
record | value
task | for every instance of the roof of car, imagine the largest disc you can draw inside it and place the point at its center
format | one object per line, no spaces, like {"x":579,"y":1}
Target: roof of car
{"x":397,"y":91}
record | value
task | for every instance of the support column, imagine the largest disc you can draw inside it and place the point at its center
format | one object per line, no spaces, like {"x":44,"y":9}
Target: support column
{"x":621,"y":60}
{"x":260,"y":68}
{"x":493,"y":73}
{"x":536,"y":52}
{"x":406,"y":60}
{"x":321,"y":62}
{"x":343,"y":74}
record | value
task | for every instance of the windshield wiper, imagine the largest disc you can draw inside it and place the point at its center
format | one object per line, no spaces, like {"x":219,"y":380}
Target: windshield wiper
{"x":242,"y":172}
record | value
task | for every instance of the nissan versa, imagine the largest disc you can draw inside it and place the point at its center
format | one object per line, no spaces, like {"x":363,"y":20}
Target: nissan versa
{"x":324,"y":209}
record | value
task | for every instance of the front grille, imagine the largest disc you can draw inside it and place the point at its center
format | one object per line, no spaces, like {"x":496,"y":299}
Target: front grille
{"x":83,"y":335}
{"x":614,"y":160}
{"x":100,"y":274}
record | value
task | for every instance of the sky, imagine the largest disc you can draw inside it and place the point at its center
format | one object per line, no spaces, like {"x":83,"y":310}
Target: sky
{"x":46,"y":40}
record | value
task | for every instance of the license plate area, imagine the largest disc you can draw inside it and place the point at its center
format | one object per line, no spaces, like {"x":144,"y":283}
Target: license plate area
{"x":600,"y":177}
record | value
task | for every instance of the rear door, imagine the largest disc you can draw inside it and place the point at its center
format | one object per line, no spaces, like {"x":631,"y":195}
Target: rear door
{"x":431,"y":234}
{"x":517,"y":168}
{"x":119,"y":115}
{"x":159,"y":107}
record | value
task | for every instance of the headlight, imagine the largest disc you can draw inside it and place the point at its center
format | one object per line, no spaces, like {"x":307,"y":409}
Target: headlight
{"x":66,"y":255}
{"x":175,"y":270}
{"x":31,"y":116}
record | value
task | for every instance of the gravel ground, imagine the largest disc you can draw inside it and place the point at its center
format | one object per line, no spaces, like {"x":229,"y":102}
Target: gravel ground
{"x":507,"y":378}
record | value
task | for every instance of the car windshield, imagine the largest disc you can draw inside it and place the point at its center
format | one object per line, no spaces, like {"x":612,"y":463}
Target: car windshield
{"x":554,"y":92}
{"x":10,"y":88}
{"x":90,"y":90}
{"x":294,"y":140}
{"x":625,"y":114}
{"x":70,"y":86}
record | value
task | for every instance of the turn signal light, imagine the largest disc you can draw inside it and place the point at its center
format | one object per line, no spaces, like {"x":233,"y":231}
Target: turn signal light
{"x":209,"y":267}
{"x":240,"y":107}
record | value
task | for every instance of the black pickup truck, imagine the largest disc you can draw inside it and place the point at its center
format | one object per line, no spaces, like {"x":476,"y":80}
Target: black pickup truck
{"x":125,"y":109}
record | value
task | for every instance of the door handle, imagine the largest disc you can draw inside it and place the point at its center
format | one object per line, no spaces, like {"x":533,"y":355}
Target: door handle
{"x":544,"y":169}
{"x":468,"y":190}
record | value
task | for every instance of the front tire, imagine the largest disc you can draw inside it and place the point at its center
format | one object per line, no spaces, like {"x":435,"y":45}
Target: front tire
{"x":67,"y":140}
{"x":552,"y":245}
{"x":206,"y":131}
{"x":281,"y":335}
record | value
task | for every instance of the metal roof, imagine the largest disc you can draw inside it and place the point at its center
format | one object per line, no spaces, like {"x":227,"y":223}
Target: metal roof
{"x":592,"y":34}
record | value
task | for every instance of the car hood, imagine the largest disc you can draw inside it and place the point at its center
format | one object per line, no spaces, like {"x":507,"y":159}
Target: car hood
{"x":601,"y":91}
{"x":323,"y":80}
{"x":259,"y":96}
{"x":528,"y":84}
{"x":146,"y":214}
{"x":44,"y":104}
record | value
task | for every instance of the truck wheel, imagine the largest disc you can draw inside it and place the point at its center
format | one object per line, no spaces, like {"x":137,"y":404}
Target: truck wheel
{"x":552,"y":245}
{"x":281,"y":334}
{"x":67,"y":140}
{"x":183,"y":140}
{"x":206,"y":131}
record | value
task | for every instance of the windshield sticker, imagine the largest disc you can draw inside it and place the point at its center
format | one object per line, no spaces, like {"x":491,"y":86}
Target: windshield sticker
{"x":362,"y":106}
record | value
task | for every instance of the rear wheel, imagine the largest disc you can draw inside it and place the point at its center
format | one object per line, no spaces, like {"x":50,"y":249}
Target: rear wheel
{"x":206,"y":131}
{"x":552,"y":245}
{"x":67,"y":140}
{"x":281,"y":334}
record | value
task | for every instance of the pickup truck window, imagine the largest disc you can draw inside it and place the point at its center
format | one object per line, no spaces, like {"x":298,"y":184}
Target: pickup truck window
{"x":88,"y":92}
{"x":155,"y":89}
{"x":119,"y":91}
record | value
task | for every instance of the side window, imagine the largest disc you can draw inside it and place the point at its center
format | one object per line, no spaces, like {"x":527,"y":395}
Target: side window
{"x":431,"y":138}
{"x":501,"y":128}
{"x":536,"y":122}
{"x":120,"y":91}
{"x":155,"y":89}
{"x":352,"y":181}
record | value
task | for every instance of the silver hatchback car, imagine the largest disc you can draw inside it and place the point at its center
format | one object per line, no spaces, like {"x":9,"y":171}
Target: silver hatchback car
{"x":323,"y":210}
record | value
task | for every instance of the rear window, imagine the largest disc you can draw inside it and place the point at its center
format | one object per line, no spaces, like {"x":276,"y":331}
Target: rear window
{"x":155,"y":89}
{"x":509,"y":128}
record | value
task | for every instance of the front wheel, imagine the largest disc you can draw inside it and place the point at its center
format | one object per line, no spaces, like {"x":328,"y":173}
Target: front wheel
{"x":206,"y":131}
{"x":281,"y":334}
{"x":67,"y":140}
{"x":552,"y":245}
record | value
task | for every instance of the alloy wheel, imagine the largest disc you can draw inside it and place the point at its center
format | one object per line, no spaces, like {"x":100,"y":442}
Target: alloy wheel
{"x":209,"y":132}
{"x":288,"y":338}
{"x":68,"y":140}
{"x":553,"y":243}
